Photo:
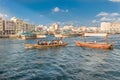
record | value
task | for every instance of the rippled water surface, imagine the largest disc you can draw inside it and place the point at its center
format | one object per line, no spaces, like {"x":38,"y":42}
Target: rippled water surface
{"x":61,"y":63}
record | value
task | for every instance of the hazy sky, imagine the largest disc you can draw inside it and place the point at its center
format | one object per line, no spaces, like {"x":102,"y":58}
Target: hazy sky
{"x":78,"y":12}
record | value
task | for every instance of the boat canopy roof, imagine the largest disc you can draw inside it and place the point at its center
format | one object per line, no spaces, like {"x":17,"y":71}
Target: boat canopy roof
{"x":96,"y":34}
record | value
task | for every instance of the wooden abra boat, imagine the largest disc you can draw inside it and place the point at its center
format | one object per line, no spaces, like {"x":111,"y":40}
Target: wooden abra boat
{"x":44,"y":46}
{"x":97,"y":45}
{"x":94,"y":45}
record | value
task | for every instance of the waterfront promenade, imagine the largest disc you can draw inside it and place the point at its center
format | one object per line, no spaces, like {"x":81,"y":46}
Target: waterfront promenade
{"x":8,"y":36}
{"x":4,"y":36}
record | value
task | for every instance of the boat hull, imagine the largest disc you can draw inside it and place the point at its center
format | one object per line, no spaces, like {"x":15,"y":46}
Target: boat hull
{"x":44,"y":46}
{"x":94,"y":45}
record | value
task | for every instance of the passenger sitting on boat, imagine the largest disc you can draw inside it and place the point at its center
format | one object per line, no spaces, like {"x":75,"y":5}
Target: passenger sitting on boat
{"x":52,"y":42}
{"x":37,"y":42}
{"x":49,"y":42}
{"x":42,"y":42}
{"x":55,"y":41}
{"x":60,"y":42}
{"x":46,"y":43}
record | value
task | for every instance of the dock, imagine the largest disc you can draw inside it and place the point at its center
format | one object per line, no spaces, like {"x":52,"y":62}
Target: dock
{"x":4,"y":36}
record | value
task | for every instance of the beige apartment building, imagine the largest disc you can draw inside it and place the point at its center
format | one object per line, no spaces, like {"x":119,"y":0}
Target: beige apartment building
{"x":8,"y":27}
{"x":18,"y":23}
{"x":22,"y":26}
{"x":29,"y":27}
{"x":1,"y":25}
{"x":110,"y":26}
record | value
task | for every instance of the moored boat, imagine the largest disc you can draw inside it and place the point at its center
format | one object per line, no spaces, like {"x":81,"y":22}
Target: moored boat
{"x":94,"y":45}
{"x":98,"y":45}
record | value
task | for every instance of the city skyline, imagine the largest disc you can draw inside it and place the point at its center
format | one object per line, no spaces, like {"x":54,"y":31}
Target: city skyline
{"x":76,"y":12}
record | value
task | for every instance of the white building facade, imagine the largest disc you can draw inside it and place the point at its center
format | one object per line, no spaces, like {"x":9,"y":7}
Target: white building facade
{"x":54,"y":26}
{"x":110,"y":26}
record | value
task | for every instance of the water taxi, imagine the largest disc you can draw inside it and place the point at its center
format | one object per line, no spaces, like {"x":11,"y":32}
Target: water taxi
{"x":39,"y":46}
{"x":98,"y":45}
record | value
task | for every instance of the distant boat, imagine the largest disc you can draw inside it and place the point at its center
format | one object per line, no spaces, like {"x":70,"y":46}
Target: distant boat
{"x":40,"y":36}
{"x":60,"y":36}
{"x":98,"y":45}
{"x":25,"y":37}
